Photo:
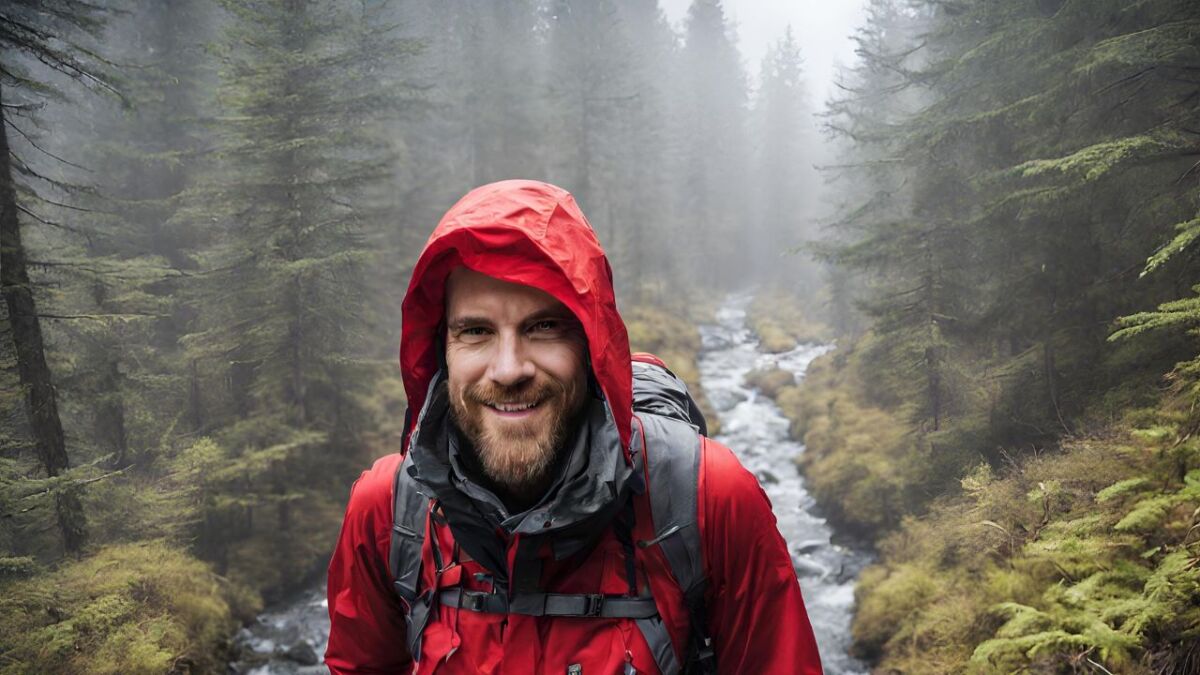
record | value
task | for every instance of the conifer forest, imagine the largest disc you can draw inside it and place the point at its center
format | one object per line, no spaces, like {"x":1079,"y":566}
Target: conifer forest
{"x":210,"y":210}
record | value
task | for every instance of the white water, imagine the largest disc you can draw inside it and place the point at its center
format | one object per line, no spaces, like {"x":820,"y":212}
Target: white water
{"x":753,"y":426}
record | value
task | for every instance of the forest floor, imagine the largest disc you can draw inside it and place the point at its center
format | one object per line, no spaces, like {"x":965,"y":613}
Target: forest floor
{"x":1083,"y":556}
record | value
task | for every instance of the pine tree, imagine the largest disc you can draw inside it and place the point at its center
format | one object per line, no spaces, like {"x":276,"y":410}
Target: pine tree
{"x":44,"y":46}
{"x":785,"y":180}
{"x":713,"y":152}
{"x":295,"y":198}
{"x":608,"y":144}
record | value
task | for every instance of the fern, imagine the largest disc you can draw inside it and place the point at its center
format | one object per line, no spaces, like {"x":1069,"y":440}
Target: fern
{"x":1122,"y":488}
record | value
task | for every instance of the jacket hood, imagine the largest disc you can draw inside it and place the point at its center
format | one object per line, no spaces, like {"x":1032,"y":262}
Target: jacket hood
{"x":524,"y":232}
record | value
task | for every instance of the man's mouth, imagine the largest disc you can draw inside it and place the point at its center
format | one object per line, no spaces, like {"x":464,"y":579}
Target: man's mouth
{"x":514,"y":409}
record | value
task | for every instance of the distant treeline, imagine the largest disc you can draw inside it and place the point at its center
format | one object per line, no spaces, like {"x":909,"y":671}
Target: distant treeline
{"x":208,"y":210}
{"x":1017,"y":260}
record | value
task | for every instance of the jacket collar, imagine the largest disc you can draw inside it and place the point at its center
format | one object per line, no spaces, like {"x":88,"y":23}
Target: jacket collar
{"x":591,"y":486}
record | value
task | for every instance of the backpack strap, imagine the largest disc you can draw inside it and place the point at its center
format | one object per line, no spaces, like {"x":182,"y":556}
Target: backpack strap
{"x":550,"y":604}
{"x":411,"y":520}
{"x":673,"y":452}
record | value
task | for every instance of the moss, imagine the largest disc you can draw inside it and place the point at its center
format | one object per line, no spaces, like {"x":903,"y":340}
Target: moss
{"x":888,"y":601}
{"x":771,"y":381}
{"x":781,"y":324}
{"x":674,"y":337}
{"x":133,"y":608}
{"x":1033,"y":565}
{"x":862,"y":464}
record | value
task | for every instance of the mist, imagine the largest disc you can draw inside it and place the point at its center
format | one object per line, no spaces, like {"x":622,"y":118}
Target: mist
{"x":947,"y":248}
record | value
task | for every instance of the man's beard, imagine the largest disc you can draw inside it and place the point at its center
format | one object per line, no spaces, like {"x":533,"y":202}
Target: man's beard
{"x":517,"y":455}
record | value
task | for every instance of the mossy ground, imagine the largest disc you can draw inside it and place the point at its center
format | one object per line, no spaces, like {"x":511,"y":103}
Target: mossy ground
{"x":1069,"y":560}
{"x":674,"y":337}
{"x":130,"y":608}
{"x":781,"y":323}
{"x":1086,"y":556}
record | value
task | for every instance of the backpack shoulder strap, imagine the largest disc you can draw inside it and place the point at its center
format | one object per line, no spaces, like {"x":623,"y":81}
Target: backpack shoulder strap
{"x":410,"y":521}
{"x":673,"y":453}
{"x":408,"y":532}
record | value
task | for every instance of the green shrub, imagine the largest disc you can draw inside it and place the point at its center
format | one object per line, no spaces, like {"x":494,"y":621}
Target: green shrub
{"x":132,"y":608}
{"x":1091,"y":553}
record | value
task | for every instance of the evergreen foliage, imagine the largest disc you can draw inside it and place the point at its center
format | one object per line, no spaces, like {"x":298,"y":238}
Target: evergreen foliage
{"x":294,"y":199}
{"x":1016,"y":165}
{"x":46,"y":50}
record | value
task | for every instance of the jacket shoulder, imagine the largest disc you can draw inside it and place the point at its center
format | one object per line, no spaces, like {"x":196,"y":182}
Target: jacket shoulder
{"x":369,"y":512}
{"x":724,"y":481}
{"x":733,"y":507}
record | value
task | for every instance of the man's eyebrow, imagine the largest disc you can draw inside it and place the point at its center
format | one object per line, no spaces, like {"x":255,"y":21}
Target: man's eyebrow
{"x":461,"y":322}
{"x":561,"y":313}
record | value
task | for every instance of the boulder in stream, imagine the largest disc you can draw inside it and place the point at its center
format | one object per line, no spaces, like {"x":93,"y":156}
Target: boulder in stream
{"x":302,"y":653}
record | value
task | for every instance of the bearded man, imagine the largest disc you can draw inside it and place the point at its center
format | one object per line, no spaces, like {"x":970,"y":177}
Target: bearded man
{"x":557,"y":508}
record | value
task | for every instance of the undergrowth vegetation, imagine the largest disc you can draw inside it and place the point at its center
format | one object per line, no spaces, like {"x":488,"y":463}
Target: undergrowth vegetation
{"x":781,"y":323}
{"x":130,"y":608}
{"x":670,"y":333}
{"x":1083,"y":557}
{"x":1047,"y":563}
{"x":1080,"y":558}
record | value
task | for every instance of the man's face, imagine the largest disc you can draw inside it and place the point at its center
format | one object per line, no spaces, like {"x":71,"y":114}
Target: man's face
{"x":517,"y":375}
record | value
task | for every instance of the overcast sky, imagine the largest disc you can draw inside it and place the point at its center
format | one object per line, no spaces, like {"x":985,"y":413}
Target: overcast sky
{"x":822,"y":27}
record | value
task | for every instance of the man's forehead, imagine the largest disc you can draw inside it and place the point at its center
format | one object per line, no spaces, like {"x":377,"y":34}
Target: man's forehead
{"x":468,"y":291}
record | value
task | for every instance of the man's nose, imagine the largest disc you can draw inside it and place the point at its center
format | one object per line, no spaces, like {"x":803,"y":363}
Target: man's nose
{"x":511,"y":364}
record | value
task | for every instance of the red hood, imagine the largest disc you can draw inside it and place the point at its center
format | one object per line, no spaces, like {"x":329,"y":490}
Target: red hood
{"x":530,"y":233}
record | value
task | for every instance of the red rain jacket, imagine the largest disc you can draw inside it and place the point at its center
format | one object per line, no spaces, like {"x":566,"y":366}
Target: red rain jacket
{"x":534,"y":234}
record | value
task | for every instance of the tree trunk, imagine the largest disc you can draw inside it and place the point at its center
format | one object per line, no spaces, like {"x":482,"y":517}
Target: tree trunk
{"x":31,"y":356}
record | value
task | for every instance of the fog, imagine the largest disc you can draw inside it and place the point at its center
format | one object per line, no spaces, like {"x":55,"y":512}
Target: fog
{"x":976,"y":220}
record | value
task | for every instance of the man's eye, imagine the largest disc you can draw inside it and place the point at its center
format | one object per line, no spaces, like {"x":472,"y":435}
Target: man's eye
{"x":473,"y":331}
{"x":545,"y":326}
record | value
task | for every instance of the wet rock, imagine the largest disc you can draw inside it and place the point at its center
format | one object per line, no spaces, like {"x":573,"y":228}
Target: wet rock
{"x":810,"y":568}
{"x":302,"y":653}
{"x":809,"y":547}
{"x":767,"y":478}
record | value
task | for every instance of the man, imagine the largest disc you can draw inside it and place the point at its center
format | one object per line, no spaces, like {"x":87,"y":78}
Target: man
{"x":545,"y":518}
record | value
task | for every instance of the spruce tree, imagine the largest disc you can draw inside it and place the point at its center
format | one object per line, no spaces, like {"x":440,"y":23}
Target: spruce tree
{"x":712,"y":191}
{"x":785,"y":186}
{"x":44,"y":47}
{"x":294,"y":199}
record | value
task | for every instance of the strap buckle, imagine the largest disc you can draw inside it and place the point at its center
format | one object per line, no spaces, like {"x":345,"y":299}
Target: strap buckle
{"x":476,"y":602}
{"x":593,"y":605}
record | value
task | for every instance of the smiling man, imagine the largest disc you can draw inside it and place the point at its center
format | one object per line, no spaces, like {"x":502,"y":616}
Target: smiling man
{"x":517,"y":378}
{"x":557,"y":507}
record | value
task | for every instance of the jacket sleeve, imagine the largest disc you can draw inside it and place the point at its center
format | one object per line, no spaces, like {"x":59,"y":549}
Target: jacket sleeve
{"x":756,"y":613}
{"x":366,"y":622}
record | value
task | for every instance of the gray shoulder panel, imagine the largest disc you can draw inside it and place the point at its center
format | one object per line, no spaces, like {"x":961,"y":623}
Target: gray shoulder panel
{"x":673,"y":457}
{"x":410,"y":508}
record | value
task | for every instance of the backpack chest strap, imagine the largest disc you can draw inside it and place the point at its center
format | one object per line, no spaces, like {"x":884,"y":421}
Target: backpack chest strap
{"x":551,"y":604}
